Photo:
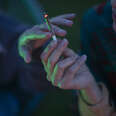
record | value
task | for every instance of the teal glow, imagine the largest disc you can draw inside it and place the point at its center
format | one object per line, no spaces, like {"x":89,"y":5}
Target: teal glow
{"x":49,"y":28}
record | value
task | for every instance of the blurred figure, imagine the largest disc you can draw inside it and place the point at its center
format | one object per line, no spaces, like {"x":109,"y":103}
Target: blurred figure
{"x":22,"y":85}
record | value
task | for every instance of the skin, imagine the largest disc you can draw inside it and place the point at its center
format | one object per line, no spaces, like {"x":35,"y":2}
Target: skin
{"x":38,"y":35}
{"x":70,"y":72}
{"x":22,"y":50}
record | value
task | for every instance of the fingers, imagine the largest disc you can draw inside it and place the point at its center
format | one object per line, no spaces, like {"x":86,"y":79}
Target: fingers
{"x":69,"y":52}
{"x":25,"y":42}
{"x":58,"y":31}
{"x":37,"y":35}
{"x":70,"y":16}
{"x":59,"y":69}
{"x":34,"y":34}
{"x":51,"y":54}
{"x":74,"y":69}
{"x":48,"y":50}
{"x":66,"y":82}
{"x":62,"y":21}
{"x":54,"y":57}
{"x":69,"y":55}
{"x":65,"y":19}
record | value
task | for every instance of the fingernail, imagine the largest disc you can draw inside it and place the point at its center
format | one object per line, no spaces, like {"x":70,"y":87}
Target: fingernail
{"x":84,"y":57}
{"x":28,"y":60}
{"x":65,"y":41}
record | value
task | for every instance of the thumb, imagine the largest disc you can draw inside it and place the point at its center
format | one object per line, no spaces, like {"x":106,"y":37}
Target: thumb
{"x":25,"y":53}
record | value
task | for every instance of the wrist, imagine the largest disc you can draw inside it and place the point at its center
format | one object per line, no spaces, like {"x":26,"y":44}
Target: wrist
{"x":92,"y":94}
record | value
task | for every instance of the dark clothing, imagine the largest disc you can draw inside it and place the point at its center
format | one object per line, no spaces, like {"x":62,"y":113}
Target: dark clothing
{"x":99,"y":43}
{"x":19,"y":81}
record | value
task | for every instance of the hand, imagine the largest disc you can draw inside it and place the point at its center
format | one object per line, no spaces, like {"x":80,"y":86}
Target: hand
{"x":66,"y":70}
{"x":39,"y":35}
{"x":68,"y":73}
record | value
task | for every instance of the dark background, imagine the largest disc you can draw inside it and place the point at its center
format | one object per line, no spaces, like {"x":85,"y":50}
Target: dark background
{"x":57,"y":102}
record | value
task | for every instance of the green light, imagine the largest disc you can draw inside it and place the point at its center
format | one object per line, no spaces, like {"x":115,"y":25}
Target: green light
{"x":48,"y":67}
{"x":54,"y":74}
{"x":49,"y":28}
{"x":45,"y":67}
{"x":24,"y":39}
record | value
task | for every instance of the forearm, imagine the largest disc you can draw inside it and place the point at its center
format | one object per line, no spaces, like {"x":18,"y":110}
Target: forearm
{"x":94,"y":100}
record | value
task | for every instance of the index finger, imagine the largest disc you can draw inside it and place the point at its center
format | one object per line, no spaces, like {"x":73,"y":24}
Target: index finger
{"x":68,"y":16}
{"x":33,"y":36}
